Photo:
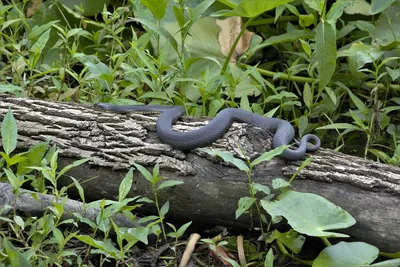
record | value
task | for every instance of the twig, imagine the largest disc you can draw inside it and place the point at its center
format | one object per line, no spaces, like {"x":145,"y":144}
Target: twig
{"x":189,"y":249}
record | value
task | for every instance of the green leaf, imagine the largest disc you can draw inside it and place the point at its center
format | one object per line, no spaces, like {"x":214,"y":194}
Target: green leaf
{"x":251,"y":8}
{"x":15,"y":258}
{"x":79,"y":188}
{"x":9,"y":88}
{"x":161,"y":31}
{"x":182,"y":229}
{"x":105,"y":246}
{"x":269,"y":259}
{"x":125,"y":185}
{"x":386,"y":31}
{"x":18,"y":220}
{"x":361,"y":54}
{"x":34,"y":157}
{"x":267,"y":156}
{"x":164,"y":209}
{"x":377,"y":6}
{"x":303,"y":123}
{"x":228,"y":157}
{"x":359,"y":104}
{"x":244,"y":204}
{"x":157,"y":7}
{"x":291,"y":239}
{"x":388,"y":263}
{"x":309,"y":214}
{"x":146,"y":174}
{"x":169,"y":183}
{"x":336,"y":10}
{"x":326,"y":52}
{"x":9,"y":133}
{"x":317,"y":5}
{"x":137,"y":234}
{"x":278,"y":183}
{"x":263,"y":188}
{"x":72,"y":165}
{"x":340,"y":126}
{"x":307,"y":95}
{"x":38,"y":47}
{"x":347,"y":254}
{"x":14,"y":180}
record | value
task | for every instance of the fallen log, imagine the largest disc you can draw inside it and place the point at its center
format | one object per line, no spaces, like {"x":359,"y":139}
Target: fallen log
{"x":369,"y":191}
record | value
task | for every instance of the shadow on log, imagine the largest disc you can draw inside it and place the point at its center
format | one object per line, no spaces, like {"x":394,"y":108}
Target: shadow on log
{"x":369,"y":191}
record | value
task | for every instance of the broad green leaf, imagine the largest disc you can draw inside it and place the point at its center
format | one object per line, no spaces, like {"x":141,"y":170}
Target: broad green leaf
{"x":361,"y":54}
{"x":267,"y":156}
{"x":161,"y":31}
{"x":377,"y":6}
{"x":263,"y":188}
{"x":317,"y":5}
{"x":278,"y":183}
{"x":358,"y":7}
{"x":34,"y":157}
{"x":125,"y":185}
{"x":15,"y":258}
{"x":251,"y":8}
{"x":387,"y":30}
{"x":137,"y":233}
{"x":169,"y":183}
{"x":9,"y":133}
{"x":347,"y":254}
{"x":229,"y":158}
{"x":244,"y":204}
{"x":157,"y":7}
{"x":326,"y":52}
{"x":336,"y":10}
{"x":309,"y":214}
{"x":269,"y":259}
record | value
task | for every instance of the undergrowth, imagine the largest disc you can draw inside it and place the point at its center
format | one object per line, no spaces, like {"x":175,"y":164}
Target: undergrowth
{"x":311,"y":62}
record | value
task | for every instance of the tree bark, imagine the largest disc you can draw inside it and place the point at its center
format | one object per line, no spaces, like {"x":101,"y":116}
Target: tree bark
{"x":368,"y":190}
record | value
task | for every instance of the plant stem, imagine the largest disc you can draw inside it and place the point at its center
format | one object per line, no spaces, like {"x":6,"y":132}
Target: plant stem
{"x":282,"y":76}
{"x":326,"y":241}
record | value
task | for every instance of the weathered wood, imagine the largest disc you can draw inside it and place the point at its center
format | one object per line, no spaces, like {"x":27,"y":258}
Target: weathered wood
{"x":368,"y":190}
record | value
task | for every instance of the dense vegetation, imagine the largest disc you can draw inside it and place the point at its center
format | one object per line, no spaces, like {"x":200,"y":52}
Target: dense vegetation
{"x":330,"y":68}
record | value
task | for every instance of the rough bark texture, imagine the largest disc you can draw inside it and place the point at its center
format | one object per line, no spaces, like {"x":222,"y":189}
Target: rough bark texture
{"x":369,"y":191}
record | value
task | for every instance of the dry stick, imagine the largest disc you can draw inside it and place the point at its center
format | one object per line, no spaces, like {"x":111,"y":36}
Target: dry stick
{"x":189,"y":249}
{"x":242,"y":257}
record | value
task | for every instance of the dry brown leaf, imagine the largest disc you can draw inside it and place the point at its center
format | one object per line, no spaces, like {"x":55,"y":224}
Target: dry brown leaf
{"x":35,"y":6}
{"x":230,"y":29}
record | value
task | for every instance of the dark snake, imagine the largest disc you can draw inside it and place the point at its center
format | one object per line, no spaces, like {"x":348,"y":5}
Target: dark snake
{"x":217,"y":127}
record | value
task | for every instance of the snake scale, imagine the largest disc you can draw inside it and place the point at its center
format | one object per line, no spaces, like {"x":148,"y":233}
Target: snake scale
{"x":217,"y":127}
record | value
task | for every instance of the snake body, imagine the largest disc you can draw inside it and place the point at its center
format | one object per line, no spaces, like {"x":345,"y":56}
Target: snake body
{"x":217,"y":127}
